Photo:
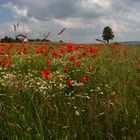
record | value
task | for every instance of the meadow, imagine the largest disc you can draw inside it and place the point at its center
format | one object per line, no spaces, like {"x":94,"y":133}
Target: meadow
{"x":64,"y":91}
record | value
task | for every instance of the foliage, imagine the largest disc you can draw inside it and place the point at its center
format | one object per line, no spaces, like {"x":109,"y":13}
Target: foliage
{"x":107,"y":34}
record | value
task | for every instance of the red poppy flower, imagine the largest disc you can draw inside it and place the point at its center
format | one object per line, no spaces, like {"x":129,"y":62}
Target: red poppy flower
{"x":117,"y":46}
{"x":20,"y":52}
{"x":70,"y":50}
{"x":2,"y":53}
{"x":6,"y":62}
{"x":77,"y":64}
{"x":10,"y":56}
{"x":77,"y":47}
{"x":62,"y":50}
{"x":56,"y":54}
{"x":46,"y":54}
{"x":83,"y":54}
{"x":70,"y":47}
{"x":49,"y":61}
{"x":3,"y":66}
{"x":92,"y":50}
{"x":46,"y":74}
{"x":70,"y":83}
{"x":42,"y":51}
{"x":25,"y":49}
{"x":24,"y":52}
{"x":9,"y":65}
{"x":94,"y":56}
{"x":2,"y":56}
{"x":37,"y":50}
{"x":85,"y":78}
{"x":126,"y":52}
{"x":66,"y":69}
{"x":72,"y":58}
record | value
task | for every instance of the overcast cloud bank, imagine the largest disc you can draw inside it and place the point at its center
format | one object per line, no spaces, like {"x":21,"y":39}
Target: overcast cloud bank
{"x":84,"y":20}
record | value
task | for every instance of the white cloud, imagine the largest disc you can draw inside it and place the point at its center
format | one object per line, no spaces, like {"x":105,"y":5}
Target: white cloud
{"x":70,"y":22}
{"x":22,"y":12}
{"x":117,"y":26}
{"x":89,"y":4}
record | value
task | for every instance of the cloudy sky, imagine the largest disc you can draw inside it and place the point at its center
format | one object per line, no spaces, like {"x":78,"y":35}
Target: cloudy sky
{"x":84,"y":20}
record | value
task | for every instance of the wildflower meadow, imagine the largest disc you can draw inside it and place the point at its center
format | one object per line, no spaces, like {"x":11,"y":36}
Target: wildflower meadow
{"x":65,"y":91}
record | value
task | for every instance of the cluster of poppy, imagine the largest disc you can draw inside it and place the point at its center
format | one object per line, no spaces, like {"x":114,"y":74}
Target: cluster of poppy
{"x":57,"y":52}
{"x":70,"y":49}
{"x":47,"y":74}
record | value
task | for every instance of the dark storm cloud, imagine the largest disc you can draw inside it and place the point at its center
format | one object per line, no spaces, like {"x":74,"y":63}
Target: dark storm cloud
{"x":54,"y":9}
{"x":47,"y":9}
{"x":85,"y":9}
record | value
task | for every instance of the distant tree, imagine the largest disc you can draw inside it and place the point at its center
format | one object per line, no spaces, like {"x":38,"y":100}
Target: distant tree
{"x":61,"y":41}
{"x":107,"y":34}
{"x":45,"y":40}
{"x":38,"y":40}
{"x":6,"y":39}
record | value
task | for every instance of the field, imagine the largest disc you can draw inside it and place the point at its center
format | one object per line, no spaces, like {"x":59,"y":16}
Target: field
{"x":69,"y":92}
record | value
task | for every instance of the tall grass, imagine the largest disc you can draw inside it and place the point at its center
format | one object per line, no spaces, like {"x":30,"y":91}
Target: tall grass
{"x":103,"y":107}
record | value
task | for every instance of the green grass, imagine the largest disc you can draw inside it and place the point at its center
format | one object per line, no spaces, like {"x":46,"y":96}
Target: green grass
{"x":106,"y":107}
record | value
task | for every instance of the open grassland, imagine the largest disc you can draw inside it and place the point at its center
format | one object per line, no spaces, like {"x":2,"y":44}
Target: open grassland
{"x":69,"y":92}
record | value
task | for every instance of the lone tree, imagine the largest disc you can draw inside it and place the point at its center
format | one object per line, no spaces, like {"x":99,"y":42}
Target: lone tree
{"x":107,"y":34}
